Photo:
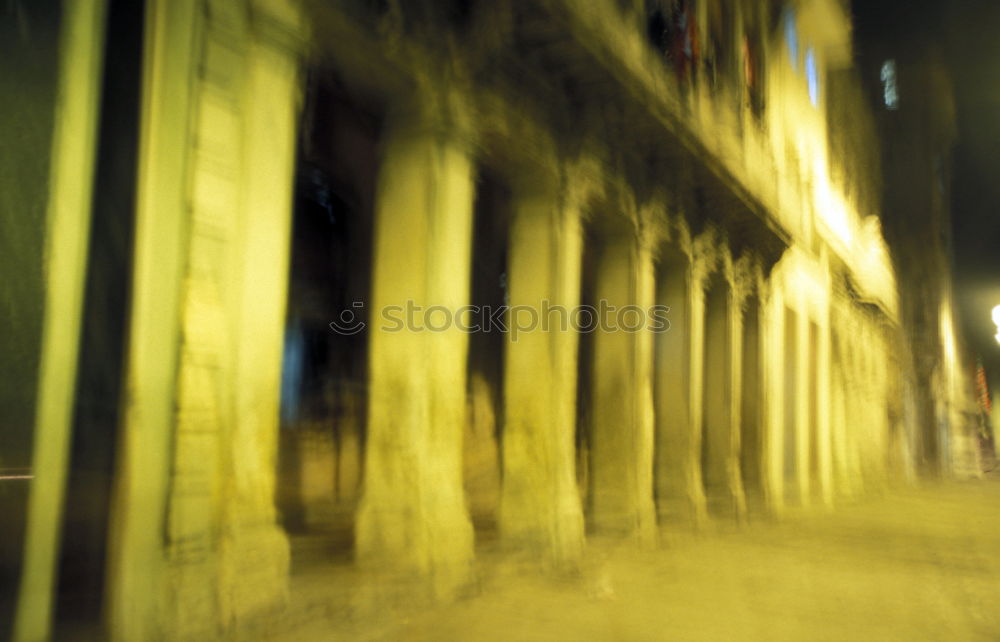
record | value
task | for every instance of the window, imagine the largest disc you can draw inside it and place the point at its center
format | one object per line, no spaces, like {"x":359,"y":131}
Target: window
{"x":792,"y":38}
{"x":812,"y":76}
{"x":891,"y":94}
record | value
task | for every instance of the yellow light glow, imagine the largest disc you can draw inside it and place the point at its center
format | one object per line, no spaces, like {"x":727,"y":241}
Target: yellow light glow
{"x":948,"y":334}
{"x":831,"y":206}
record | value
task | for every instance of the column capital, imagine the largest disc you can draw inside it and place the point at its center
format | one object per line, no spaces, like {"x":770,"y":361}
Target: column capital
{"x":582,"y":180}
{"x":654,"y":224}
{"x":679,"y":232}
{"x":434,"y":106}
{"x":704,"y":258}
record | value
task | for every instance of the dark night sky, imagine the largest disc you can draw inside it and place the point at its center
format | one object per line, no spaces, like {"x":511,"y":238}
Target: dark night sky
{"x":974,"y":55}
{"x":968,"y":31}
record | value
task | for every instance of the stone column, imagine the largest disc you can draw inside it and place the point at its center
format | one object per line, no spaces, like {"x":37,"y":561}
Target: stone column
{"x":540,"y":504}
{"x":412,"y":519}
{"x":622,"y":447}
{"x":254,"y":551}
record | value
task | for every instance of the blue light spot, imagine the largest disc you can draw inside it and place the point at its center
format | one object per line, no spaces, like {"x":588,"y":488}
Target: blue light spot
{"x":792,"y":38}
{"x":812,"y":76}
{"x":888,"y":76}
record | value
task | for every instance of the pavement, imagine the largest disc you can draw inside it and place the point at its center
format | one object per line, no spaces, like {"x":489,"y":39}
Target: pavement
{"x":910,"y":564}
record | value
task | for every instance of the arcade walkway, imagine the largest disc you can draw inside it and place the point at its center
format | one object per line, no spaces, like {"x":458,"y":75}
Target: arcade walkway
{"x":910,"y":565}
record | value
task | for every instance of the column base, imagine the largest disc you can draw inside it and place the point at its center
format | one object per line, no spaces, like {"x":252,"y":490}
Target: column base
{"x":683,"y":512}
{"x":254,"y":571}
{"x":396,"y":545}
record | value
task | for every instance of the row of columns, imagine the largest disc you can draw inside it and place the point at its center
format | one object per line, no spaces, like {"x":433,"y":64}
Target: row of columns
{"x":646,"y":446}
{"x":834,"y":402}
{"x":669,"y":412}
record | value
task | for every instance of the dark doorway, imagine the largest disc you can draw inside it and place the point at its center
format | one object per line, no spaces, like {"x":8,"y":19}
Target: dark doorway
{"x":814,"y":445}
{"x":751,"y":408}
{"x":717,"y":395}
{"x":585,"y":367}
{"x":324,"y":374}
{"x":482,"y":454}
{"x":672,"y":387}
{"x":791,"y":399}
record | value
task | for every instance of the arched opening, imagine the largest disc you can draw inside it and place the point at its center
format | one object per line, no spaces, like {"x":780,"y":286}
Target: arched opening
{"x":838,"y":411}
{"x":789,"y":414}
{"x":672,"y":386}
{"x":585,"y":369}
{"x":813,"y":416}
{"x":751,"y":407}
{"x":481,"y":446}
{"x":716,"y":443}
{"x":324,"y":373}
{"x":621,"y":426}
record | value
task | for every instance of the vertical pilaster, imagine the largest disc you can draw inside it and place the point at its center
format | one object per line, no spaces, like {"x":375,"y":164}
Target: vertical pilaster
{"x":67,"y":236}
{"x":412,"y":518}
{"x":137,"y":562}
{"x":540,"y":504}
{"x":254,"y":551}
{"x":622,"y":449}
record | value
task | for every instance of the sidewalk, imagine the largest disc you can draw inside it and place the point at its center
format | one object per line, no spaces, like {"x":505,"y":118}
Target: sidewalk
{"x":914,"y":565}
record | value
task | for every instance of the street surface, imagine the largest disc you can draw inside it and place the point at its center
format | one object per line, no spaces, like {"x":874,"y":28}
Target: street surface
{"x":907,"y":565}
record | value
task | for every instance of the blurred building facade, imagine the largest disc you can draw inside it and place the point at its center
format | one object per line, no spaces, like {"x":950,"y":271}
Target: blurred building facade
{"x":267,"y":164}
{"x":910,"y":88}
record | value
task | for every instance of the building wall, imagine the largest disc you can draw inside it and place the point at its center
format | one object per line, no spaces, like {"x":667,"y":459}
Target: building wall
{"x":629,"y":180}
